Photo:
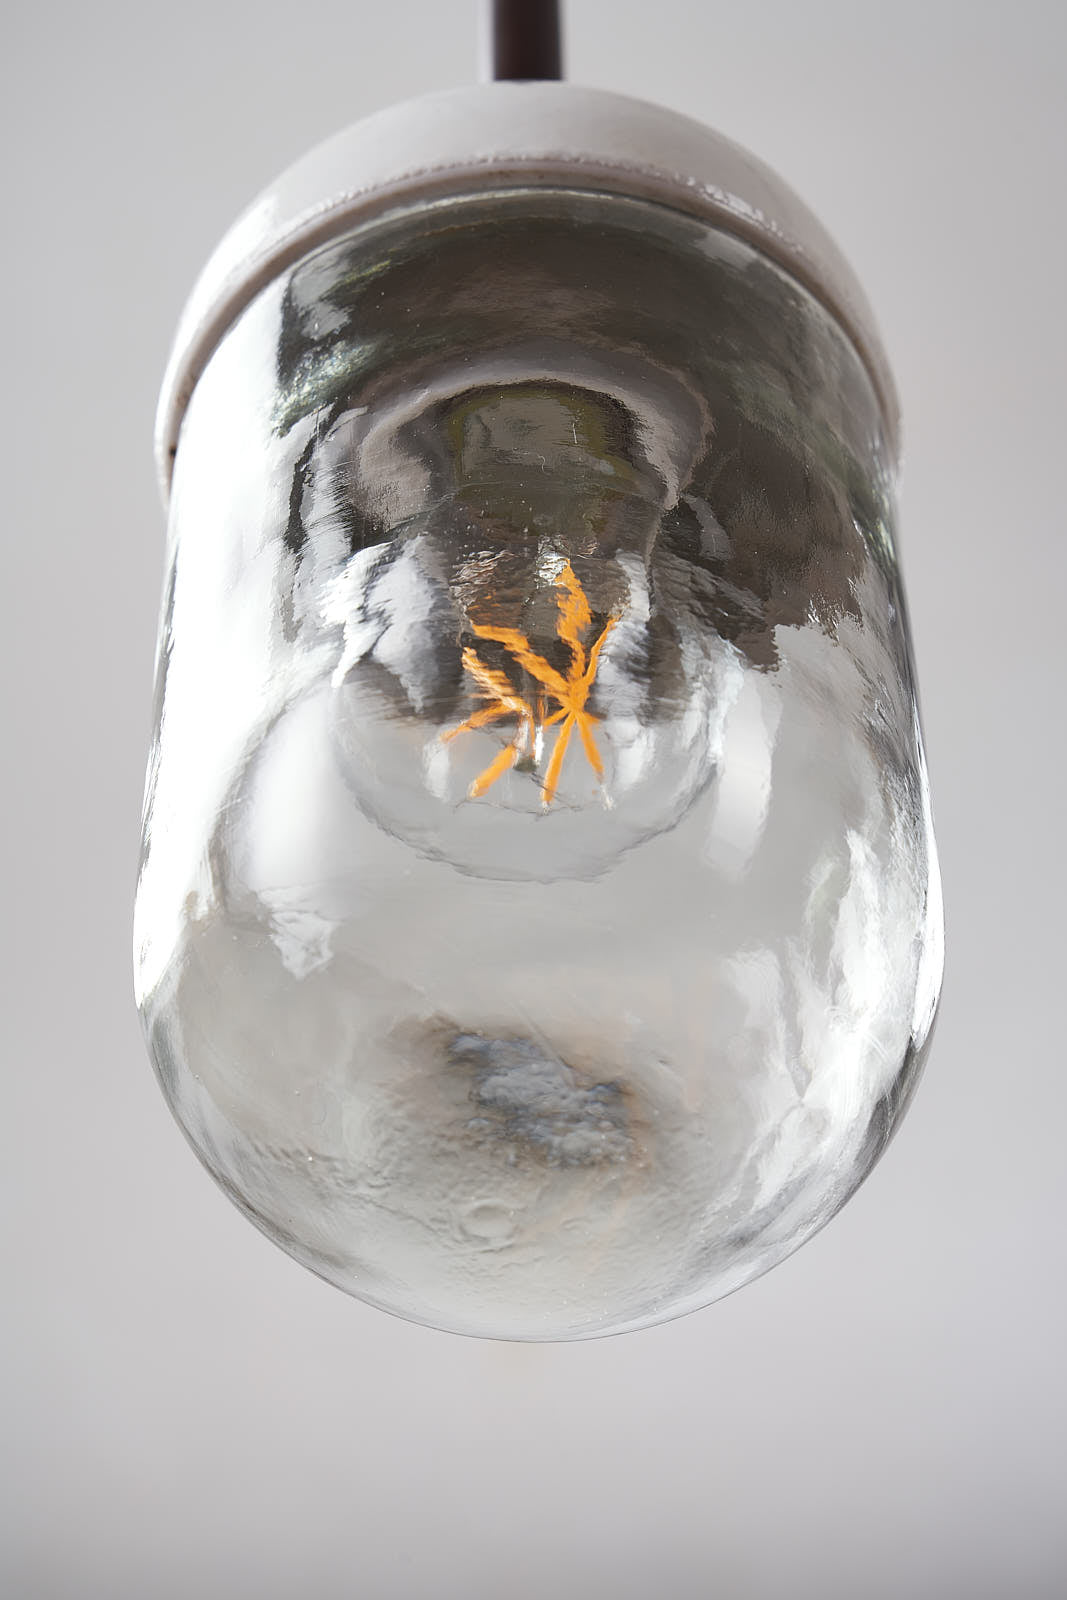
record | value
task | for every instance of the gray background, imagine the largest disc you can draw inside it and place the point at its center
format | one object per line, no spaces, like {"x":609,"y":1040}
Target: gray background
{"x":187,"y":1412}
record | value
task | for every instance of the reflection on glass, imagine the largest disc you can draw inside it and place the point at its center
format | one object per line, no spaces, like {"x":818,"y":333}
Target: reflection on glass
{"x":538,"y":930}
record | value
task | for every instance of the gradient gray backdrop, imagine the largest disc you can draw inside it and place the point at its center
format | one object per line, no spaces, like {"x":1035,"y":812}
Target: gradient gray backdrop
{"x":188,"y":1413}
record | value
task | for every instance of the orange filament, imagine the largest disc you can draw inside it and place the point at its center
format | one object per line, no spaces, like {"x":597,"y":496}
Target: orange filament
{"x":570,"y":692}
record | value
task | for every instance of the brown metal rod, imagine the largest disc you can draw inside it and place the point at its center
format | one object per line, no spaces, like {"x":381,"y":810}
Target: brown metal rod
{"x":526,"y":40}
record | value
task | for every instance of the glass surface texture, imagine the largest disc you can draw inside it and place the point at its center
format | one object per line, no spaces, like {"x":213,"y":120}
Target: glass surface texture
{"x":538,"y":932}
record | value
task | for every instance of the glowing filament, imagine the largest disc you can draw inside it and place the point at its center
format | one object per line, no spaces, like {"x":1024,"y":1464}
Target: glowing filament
{"x":570,"y":693}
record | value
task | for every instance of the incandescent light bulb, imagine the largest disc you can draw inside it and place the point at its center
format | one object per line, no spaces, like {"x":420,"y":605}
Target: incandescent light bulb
{"x":538,"y":932}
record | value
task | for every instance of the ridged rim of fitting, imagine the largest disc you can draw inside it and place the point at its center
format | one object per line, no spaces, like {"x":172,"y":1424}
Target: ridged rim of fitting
{"x":500,"y":135}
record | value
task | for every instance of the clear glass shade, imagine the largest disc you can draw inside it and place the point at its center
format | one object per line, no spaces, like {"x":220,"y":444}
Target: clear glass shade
{"x":538,"y":931}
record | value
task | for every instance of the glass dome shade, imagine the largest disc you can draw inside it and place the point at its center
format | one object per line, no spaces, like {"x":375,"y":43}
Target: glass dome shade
{"x":538,"y":932}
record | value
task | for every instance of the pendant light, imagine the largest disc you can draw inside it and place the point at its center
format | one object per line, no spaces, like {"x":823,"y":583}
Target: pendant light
{"x":538,"y":932}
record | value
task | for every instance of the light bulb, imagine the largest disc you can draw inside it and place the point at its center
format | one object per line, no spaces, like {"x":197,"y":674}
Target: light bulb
{"x":538,"y":932}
